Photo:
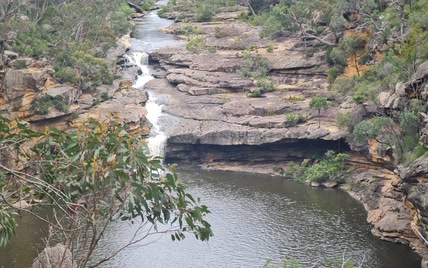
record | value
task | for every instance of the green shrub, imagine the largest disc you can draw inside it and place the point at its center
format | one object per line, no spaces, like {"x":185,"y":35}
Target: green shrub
{"x":162,"y":11}
{"x":146,"y":6}
{"x":359,"y":98}
{"x":269,"y":48}
{"x":344,"y":121}
{"x":254,"y":94}
{"x":332,"y":166}
{"x":337,"y":56}
{"x":104,"y":96}
{"x":212,"y":49}
{"x":204,"y":14}
{"x":195,"y":45}
{"x":294,"y":171}
{"x":293,"y":99}
{"x":220,"y":32}
{"x":184,"y":29}
{"x":294,"y":119}
{"x":333,"y":73}
{"x":21,"y":64}
{"x":265,"y":84}
{"x":254,"y":66}
{"x":74,"y":116}
{"x":43,"y":105}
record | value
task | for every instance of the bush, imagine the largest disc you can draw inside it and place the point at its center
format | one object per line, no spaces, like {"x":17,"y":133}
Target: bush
{"x":204,"y":14}
{"x":294,"y":119}
{"x":221,"y":32}
{"x":195,"y":45}
{"x":21,"y":64}
{"x":104,"y":96}
{"x":255,"y":66}
{"x":359,"y":98}
{"x":43,"y":105}
{"x":333,"y":73}
{"x":344,"y":121}
{"x":254,"y":94}
{"x":332,"y":166}
{"x":265,"y":84}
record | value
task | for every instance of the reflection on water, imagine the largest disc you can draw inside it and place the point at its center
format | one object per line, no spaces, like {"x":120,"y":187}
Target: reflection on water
{"x":254,"y":218}
{"x":25,"y":245}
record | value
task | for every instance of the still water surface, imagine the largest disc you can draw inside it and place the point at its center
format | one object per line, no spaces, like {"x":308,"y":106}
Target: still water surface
{"x":254,"y":218}
{"x":258,"y":217}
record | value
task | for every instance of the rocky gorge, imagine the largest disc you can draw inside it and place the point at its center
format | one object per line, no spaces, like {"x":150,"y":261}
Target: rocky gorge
{"x":219,"y":127}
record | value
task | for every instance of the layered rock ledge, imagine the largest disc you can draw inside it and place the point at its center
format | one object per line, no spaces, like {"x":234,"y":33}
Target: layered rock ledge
{"x":219,"y":127}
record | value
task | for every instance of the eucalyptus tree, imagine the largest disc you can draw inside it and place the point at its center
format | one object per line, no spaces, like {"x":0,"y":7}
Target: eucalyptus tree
{"x":92,"y":178}
{"x":318,"y":102}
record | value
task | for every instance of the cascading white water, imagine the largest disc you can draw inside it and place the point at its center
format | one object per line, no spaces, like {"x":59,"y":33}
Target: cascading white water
{"x":157,"y":138}
{"x":141,"y":59}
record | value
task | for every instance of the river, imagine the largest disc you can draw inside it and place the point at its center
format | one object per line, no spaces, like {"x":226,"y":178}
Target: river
{"x":254,"y":217}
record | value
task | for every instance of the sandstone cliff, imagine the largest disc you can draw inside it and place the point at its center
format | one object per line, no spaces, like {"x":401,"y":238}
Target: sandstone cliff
{"x":221,"y":128}
{"x":33,"y":84}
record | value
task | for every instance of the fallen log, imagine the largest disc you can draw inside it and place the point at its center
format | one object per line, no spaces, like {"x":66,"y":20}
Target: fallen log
{"x":136,"y":7}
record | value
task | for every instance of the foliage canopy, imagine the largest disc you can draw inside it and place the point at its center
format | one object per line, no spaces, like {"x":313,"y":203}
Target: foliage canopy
{"x":92,"y":177}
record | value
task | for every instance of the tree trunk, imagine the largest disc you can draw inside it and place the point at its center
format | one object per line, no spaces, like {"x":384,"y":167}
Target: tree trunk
{"x":356,"y":64}
{"x":251,"y":8}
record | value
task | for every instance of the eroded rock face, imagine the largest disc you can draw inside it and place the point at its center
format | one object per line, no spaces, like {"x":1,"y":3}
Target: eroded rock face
{"x":125,"y":103}
{"x":25,"y":87}
{"x":208,"y":96}
{"x":381,"y":192}
{"x":219,"y":126}
{"x":418,"y":85}
{"x":415,"y":186}
{"x":21,"y":87}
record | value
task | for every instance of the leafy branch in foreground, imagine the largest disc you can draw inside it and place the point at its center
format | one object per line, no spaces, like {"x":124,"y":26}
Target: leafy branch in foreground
{"x":93,"y":177}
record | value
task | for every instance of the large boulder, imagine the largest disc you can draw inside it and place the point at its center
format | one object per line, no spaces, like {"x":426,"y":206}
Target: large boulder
{"x":21,"y":89}
{"x":391,"y":100}
{"x":116,"y":53}
{"x":67,"y":93}
{"x":416,"y":171}
{"x":418,"y":85}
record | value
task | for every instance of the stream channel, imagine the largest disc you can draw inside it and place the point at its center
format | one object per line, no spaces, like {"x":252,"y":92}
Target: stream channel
{"x":254,"y":217}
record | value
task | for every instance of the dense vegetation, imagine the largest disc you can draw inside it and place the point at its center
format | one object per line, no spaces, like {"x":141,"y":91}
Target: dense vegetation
{"x":97,"y":174}
{"x":91,"y":178}
{"x":74,"y":36}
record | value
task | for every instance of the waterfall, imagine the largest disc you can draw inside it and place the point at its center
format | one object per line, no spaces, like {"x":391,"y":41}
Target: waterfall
{"x":154,"y":105}
{"x":140,"y":59}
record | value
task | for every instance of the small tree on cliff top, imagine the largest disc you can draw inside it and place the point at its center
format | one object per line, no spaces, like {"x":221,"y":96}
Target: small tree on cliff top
{"x":317,"y":103}
{"x":92,"y":177}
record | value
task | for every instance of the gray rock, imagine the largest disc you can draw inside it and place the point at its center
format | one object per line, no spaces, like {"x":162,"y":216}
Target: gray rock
{"x":418,"y":168}
{"x":52,"y":257}
{"x":400,"y":89}
{"x":10,"y":54}
{"x":390,"y":100}
{"x":67,"y":93}
{"x":421,"y":72}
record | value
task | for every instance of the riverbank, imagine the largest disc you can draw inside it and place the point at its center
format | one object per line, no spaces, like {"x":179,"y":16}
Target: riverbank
{"x":222,"y":129}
